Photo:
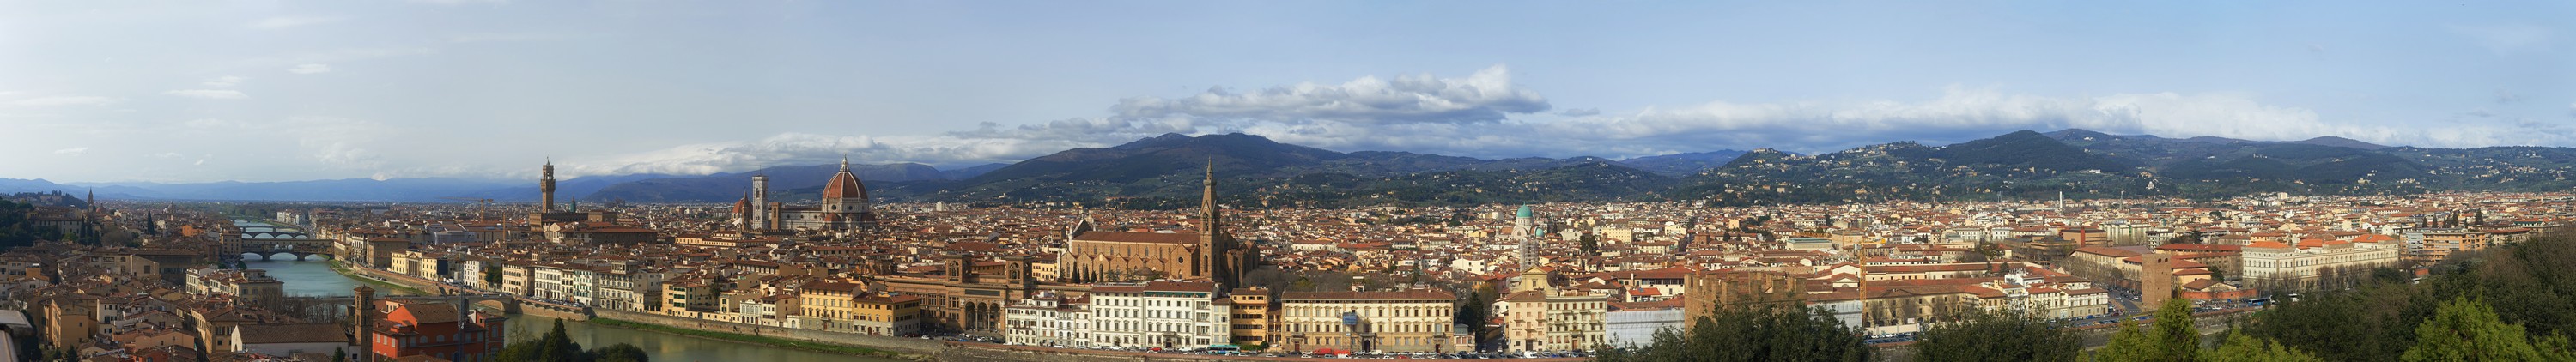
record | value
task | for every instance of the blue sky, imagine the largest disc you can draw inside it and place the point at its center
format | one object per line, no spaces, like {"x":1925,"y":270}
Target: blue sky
{"x":266,"y":91}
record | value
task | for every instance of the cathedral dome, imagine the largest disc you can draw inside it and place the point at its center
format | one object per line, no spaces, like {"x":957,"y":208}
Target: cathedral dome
{"x":844,"y":185}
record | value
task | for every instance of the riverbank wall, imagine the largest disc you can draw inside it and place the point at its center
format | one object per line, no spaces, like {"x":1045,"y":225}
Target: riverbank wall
{"x":986,"y":352}
{"x":547,"y":310}
{"x":913,"y":346}
{"x":895,"y":344}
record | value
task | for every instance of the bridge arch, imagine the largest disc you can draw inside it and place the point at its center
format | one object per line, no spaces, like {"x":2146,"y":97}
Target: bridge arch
{"x":267,"y":255}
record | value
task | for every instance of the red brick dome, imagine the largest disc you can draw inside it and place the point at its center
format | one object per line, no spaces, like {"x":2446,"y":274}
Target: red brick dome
{"x":844,"y":185}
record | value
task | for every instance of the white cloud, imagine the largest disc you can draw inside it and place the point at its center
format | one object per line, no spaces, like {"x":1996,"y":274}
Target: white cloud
{"x":282,"y":22}
{"x":331,"y":56}
{"x":208,"y":93}
{"x":1468,"y":117}
{"x":1486,"y":96}
{"x":61,"y":101}
{"x":341,"y":142}
{"x":224,"y":81}
{"x":212,"y":123}
{"x":74,"y":151}
{"x":805,"y":148}
{"x":310,"y":68}
{"x":506,"y":37}
{"x":2507,"y":39}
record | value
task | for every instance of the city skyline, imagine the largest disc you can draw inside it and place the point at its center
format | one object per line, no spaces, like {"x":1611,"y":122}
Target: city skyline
{"x":274,"y":92}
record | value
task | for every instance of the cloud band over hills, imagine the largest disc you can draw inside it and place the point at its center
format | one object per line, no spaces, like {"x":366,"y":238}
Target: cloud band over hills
{"x":1485,"y":114}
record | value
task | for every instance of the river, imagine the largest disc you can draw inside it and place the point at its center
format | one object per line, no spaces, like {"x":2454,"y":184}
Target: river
{"x":316,"y":277}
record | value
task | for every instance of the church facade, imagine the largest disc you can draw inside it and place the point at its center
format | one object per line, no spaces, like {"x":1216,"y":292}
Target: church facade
{"x":1092,"y":256}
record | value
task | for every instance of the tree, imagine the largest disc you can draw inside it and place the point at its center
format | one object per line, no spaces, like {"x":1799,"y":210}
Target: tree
{"x":2176,"y":338}
{"x":2244,"y":348}
{"x":1478,"y":308}
{"x":1753,"y":333}
{"x":1997,"y":336}
{"x":2170,"y":338}
{"x":554,"y":346}
{"x":492,"y":273}
{"x":2467,"y":330}
{"x":620,"y":352}
{"x":2374,"y":322}
{"x":557,"y":346}
{"x":2128,"y":344}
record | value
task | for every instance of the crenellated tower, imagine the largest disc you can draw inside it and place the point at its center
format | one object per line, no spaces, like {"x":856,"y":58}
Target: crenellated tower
{"x":546,"y":188}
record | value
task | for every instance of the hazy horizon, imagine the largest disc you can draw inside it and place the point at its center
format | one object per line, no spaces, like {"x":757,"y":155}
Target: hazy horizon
{"x":203,"y":92}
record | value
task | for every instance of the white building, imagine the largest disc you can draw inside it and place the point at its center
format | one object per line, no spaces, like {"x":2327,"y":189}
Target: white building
{"x":2274,"y":262}
{"x":1159,"y":314}
{"x":1632,"y":328}
{"x":549,"y":282}
{"x":1048,"y":319}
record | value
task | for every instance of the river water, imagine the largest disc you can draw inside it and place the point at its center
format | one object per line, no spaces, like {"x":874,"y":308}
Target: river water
{"x":315,"y":277}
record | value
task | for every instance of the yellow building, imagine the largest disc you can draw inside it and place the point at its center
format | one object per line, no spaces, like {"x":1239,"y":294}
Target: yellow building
{"x":886,"y":314}
{"x":1418,"y":320}
{"x":690,"y":297}
{"x":849,"y":307}
{"x":1252,"y":321}
{"x":1539,"y":317}
{"x":2439,"y":244}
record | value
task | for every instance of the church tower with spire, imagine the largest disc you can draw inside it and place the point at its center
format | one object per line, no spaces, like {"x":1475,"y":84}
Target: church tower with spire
{"x":1224,"y":260}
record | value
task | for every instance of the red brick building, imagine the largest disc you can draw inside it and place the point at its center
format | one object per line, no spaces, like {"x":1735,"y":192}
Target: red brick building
{"x":436,"y":330}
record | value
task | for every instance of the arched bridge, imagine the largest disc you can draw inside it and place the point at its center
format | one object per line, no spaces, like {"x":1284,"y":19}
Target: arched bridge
{"x":269,"y":249}
{"x":272,"y":232}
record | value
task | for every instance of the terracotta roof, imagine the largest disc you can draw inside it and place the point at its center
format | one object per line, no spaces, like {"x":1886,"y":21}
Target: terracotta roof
{"x":428,"y":313}
{"x":1416,"y":294}
{"x":844,"y":185}
{"x":1133,"y":237}
{"x":2106,"y":251}
{"x":292,"y":333}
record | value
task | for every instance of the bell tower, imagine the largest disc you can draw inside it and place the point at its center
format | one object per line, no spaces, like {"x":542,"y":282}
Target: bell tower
{"x":1215,"y":254}
{"x":760,"y":202}
{"x":546,"y":188}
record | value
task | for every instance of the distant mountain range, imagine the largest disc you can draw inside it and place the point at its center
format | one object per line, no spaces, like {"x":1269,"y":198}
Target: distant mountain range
{"x":1164,"y":172}
{"x":1683,"y":163}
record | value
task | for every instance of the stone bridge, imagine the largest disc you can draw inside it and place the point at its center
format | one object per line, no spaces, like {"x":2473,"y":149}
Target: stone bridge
{"x":268,"y":249}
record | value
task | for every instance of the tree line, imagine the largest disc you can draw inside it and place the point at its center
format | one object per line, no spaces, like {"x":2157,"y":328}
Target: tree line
{"x":2513,"y":302}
